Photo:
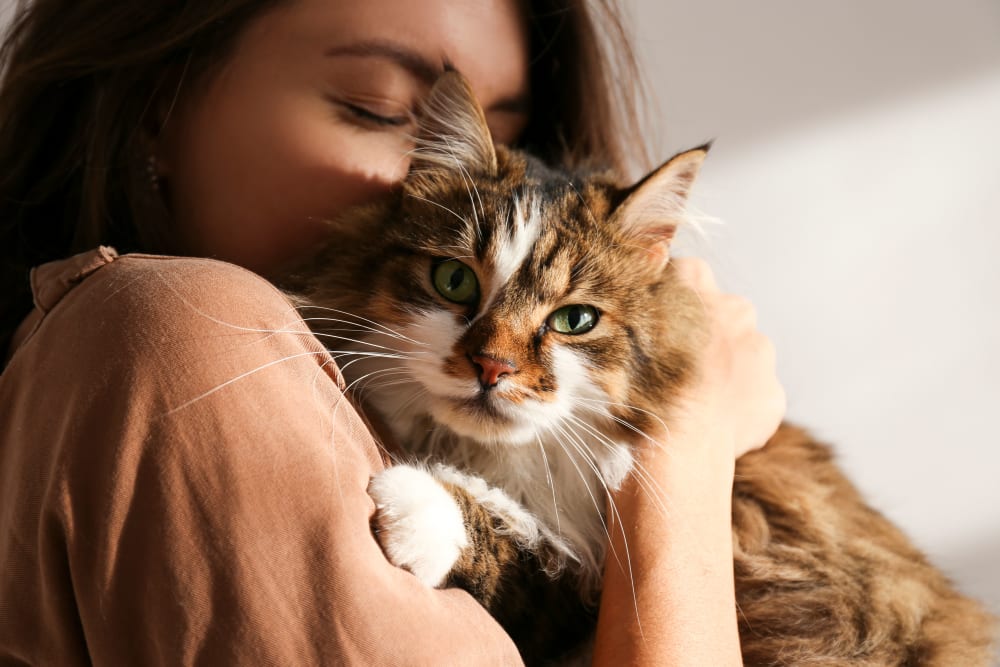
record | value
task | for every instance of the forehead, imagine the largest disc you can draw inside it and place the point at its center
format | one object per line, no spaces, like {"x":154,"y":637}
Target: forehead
{"x":487,"y":40}
{"x":528,"y":209}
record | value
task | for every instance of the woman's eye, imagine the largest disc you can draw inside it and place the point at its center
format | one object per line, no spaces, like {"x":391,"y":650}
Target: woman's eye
{"x":369,"y":116}
{"x":455,"y":281}
{"x":573,"y":320}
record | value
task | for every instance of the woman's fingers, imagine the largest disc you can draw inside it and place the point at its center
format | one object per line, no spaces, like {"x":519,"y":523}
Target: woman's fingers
{"x":738,"y":386}
{"x":696,"y":273}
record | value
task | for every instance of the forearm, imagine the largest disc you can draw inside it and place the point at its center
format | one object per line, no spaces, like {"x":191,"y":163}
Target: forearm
{"x":675,"y":605}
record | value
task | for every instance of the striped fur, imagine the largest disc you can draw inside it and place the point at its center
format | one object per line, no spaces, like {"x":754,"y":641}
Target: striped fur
{"x":821,"y":577}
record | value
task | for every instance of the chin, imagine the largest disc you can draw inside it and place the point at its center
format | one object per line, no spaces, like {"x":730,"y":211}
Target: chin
{"x":485,"y":422}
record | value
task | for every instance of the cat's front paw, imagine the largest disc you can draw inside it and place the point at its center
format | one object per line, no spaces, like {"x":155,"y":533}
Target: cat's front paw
{"x":417,"y":522}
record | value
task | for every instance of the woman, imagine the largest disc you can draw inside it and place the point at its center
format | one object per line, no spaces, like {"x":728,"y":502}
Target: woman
{"x":177,"y":485}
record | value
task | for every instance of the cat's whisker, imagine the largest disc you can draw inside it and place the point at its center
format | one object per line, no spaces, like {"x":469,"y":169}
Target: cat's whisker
{"x":478,"y":223}
{"x":460,"y":252}
{"x":366,"y":354}
{"x":649,"y":485}
{"x":378,"y":325}
{"x":420,"y":393}
{"x":451,"y":157}
{"x":352,"y":326}
{"x":633,"y":428}
{"x":409,"y":354}
{"x":574,"y":440}
{"x":647,"y":482}
{"x":567,"y":439}
{"x":580,"y":445}
{"x":434,"y":203}
{"x":354,"y":329}
{"x":552,"y":486}
{"x":239,"y":377}
{"x":643,"y":478}
{"x":482,"y":208}
{"x":359,"y":384}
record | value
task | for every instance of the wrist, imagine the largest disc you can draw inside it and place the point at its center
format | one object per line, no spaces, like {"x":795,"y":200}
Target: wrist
{"x":672,"y":521}
{"x":691,"y":457}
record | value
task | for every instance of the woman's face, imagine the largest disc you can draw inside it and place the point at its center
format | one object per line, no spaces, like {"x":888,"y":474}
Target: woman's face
{"x":311,"y":114}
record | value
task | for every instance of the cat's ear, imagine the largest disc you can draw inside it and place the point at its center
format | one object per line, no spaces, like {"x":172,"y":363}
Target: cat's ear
{"x":452,"y":135}
{"x":652,"y":209}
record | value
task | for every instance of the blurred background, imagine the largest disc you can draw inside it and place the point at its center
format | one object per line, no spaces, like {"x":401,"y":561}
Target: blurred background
{"x":856,"y":171}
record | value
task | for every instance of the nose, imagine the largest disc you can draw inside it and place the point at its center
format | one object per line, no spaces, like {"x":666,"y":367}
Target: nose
{"x":491,"y":369}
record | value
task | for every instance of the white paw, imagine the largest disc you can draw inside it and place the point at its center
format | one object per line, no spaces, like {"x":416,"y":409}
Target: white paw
{"x":417,"y":522}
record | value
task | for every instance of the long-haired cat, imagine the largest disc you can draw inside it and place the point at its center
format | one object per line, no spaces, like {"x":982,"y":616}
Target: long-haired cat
{"x":517,"y":328}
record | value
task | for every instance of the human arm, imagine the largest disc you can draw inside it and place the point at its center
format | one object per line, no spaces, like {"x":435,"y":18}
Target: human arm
{"x":195,"y":490}
{"x":676,"y":603}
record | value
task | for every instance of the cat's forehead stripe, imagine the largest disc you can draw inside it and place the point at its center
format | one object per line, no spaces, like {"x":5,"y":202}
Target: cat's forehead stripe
{"x":508,"y":254}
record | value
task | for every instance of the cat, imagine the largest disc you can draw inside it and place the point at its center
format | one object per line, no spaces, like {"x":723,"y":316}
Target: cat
{"x":516,"y":328}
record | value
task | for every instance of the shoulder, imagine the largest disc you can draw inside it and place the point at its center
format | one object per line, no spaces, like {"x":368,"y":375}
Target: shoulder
{"x":138,"y":319}
{"x":186,"y":351}
{"x":160,"y":307}
{"x":178,"y":289}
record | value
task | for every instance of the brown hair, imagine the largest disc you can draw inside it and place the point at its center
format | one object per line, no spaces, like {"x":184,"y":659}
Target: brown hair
{"x":80,"y":77}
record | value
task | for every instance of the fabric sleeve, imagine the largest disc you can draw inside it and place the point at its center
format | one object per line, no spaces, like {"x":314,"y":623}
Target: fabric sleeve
{"x":210,"y":491}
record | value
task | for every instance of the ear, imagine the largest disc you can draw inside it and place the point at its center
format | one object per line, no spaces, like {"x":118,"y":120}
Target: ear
{"x":452,"y":135}
{"x":653,"y":208}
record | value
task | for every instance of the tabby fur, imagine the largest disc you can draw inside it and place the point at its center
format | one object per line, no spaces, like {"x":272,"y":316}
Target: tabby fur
{"x":527,"y":429}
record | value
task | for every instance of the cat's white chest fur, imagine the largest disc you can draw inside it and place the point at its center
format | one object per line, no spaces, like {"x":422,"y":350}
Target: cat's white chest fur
{"x":551,"y":459}
{"x":553,"y":489}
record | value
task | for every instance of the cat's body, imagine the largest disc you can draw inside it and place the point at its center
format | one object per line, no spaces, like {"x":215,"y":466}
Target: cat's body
{"x":518,"y":329}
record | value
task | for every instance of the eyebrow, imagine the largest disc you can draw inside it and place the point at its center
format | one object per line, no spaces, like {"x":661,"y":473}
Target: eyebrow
{"x":417,"y":64}
{"x":420,"y":66}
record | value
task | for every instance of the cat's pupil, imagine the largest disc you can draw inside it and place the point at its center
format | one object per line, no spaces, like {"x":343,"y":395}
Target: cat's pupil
{"x":455,"y":281}
{"x":574,"y":317}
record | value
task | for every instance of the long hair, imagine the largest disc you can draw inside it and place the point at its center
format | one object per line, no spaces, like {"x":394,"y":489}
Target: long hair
{"x":81,"y":77}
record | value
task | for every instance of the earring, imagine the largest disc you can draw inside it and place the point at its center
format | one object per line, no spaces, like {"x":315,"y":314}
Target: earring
{"x":153,"y":172}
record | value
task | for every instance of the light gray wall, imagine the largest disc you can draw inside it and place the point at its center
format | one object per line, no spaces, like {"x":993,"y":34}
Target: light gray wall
{"x":856,"y":169}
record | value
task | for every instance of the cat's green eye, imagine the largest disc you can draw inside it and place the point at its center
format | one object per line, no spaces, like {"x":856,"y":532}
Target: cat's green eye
{"x":573,"y":320}
{"x":455,"y":281}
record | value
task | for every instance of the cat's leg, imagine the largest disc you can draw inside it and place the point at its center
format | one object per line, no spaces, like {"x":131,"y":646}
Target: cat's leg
{"x":418,"y":522}
{"x":453,"y":529}
{"x":447,"y":527}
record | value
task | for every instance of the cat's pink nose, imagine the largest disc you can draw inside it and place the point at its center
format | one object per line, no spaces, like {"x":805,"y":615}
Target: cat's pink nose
{"x":490,"y":369}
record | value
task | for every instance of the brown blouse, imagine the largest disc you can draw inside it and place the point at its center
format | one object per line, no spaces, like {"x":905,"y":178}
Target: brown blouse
{"x":182,"y":481}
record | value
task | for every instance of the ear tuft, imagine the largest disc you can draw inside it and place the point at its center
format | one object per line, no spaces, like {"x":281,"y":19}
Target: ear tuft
{"x":654,"y":207}
{"x":452,"y":133}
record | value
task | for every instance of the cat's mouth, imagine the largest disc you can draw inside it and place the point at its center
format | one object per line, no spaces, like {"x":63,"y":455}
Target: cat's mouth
{"x":485,"y":417}
{"x":491,"y":411}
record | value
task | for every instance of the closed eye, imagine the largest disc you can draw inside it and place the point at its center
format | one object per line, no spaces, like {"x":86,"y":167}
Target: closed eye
{"x":370,"y":116}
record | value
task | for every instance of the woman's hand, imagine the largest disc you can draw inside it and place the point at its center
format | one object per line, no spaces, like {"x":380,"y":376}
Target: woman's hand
{"x":674,"y":602}
{"x":737,"y":393}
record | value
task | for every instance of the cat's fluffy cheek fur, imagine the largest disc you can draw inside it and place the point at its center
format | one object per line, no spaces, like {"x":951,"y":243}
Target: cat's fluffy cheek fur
{"x":437,"y":332}
{"x":417,"y":522}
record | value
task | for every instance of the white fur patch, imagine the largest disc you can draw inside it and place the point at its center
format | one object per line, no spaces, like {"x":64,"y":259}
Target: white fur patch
{"x":439,"y":331}
{"x":418,"y":523}
{"x":522,"y":524}
{"x":509,"y":254}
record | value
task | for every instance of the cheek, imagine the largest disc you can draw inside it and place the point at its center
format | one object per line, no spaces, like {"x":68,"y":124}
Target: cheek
{"x":436,"y":332}
{"x":256,"y":189}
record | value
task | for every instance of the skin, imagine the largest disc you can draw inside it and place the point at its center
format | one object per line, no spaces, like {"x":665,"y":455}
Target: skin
{"x":310,"y":115}
{"x":682,"y":611}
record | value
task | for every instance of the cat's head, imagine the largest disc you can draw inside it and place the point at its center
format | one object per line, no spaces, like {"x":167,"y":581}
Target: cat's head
{"x":522,"y":300}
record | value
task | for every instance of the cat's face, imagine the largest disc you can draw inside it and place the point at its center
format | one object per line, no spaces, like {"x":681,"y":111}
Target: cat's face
{"x":522,"y":301}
